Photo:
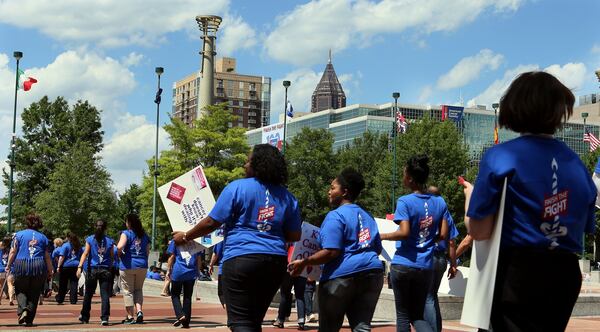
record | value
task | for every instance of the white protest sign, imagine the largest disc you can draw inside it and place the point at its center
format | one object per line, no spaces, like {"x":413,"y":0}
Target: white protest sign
{"x":273,"y":135}
{"x":389,"y":247}
{"x":309,"y":244}
{"x":187,"y":200}
{"x":477,"y":307}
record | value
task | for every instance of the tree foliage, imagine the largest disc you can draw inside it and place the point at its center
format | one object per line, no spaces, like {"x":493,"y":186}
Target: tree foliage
{"x":311,"y":167}
{"x":55,"y":138}
{"x":210,"y":142}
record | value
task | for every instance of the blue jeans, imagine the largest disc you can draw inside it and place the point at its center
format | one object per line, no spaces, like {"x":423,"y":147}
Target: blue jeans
{"x":410,"y":287}
{"x":285,"y":305}
{"x":97,"y":276}
{"x":309,"y":293}
{"x":432,"y":305}
{"x":355,"y":296}
{"x":188,"y":287}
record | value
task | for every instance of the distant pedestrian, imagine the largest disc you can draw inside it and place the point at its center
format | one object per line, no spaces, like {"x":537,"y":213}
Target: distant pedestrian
{"x":133,"y":248}
{"x":69,"y":258}
{"x":183,"y":272}
{"x":99,"y":255}
{"x":29,"y":261}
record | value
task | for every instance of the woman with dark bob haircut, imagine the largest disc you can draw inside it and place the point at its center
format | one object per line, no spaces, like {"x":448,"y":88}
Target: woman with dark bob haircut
{"x":549,"y":204}
{"x":259,"y":216}
{"x":352,"y":274}
{"x":29,"y":261}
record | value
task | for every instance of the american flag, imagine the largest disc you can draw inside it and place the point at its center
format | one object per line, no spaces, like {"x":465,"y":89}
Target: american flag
{"x":401,"y":123}
{"x":593,"y":140}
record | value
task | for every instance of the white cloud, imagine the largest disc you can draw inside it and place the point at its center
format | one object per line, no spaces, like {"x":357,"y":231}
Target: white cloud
{"x":311,"y":29}
{"x":469,"y":68}
{"x":572,"y":75}
{"x":235,"y":34}
{"x":493,"y":93}
{"x":304,"y":81}
{"x":126,"y":151}
{"x":132,"y":59}
{"x":103,"y":81}
{"x":110,"y":23}
{"x":425,"y":94}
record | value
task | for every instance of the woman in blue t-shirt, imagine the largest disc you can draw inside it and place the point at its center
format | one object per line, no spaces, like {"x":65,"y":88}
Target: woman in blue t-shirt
{"x":98,"y":254}
{"x":133,"y":249}
{"x":29,"y":261}
{"x":549,"y":204}
{"x":352,"y":274}
{"x":422,"y":222}
{"x":183,"y":271}
{"x":260,"y":216}
{"x":69,"y":258}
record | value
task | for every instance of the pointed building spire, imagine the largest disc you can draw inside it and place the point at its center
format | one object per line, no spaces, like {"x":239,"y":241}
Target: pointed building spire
{"x":329,"y":93}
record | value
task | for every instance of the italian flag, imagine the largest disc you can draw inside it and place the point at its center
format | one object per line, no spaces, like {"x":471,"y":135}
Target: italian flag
{"x":24,"y":82}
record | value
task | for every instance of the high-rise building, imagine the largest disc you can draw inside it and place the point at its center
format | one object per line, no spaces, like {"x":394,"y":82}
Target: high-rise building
{"x":247,"y":96}
{"x":329,"y":93}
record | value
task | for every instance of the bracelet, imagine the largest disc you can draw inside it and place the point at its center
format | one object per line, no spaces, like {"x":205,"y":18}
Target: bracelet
{"x":80,"y":267}
{"x":185,"y":236}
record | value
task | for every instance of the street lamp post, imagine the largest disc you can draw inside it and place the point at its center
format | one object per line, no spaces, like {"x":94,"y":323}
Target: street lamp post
{"x":159,"y":71}
{"x":395,"y":95}
{"x":18,"y":55}
{"x":584,"y":115}
{"x":286,"y":85}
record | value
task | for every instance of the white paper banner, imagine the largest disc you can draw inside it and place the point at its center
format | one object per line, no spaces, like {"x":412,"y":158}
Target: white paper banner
{"x":477,"y":307}
{"x":187,"y":200}
{"x":273,"y":135}
{"x":389,"y":247}
{"x":308,"y":245}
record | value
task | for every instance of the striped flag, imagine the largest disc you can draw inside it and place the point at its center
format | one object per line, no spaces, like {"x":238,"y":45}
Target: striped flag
{"x":401,"y":124}
{"x":496,"y":133}
{"x":593,"y":140}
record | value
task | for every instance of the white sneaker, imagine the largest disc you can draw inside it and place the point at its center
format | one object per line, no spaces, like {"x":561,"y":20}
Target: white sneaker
{"x":312,"y":318}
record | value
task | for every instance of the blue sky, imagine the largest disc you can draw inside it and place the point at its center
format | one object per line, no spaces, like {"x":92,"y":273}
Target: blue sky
{"x":431,"y":51}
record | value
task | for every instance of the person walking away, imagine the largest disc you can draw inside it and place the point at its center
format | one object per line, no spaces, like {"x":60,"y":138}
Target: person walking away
{"x":352,"y":275}
{"x":99,"y":255}
{"x":29,"y":261}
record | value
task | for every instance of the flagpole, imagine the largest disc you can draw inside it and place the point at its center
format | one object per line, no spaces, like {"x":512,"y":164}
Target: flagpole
{"x":286,"y":84}
{"x":584,"y":115}
{"x":159,"y":71}
{"x":395,"y":95}
{"x":18,"y":55}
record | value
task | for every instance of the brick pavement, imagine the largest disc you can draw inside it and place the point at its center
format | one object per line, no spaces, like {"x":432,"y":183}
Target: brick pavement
{"x":159,"y":316}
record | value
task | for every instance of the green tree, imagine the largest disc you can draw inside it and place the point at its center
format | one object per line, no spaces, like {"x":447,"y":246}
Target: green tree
{"x":370,"y":155}
{"x":50,"y":128}
{"x":589,"y":160}
{"x":210,"y":142}
{"x":448,"y":158}
{"x":311,"y":167}
{"x":79,"y":193}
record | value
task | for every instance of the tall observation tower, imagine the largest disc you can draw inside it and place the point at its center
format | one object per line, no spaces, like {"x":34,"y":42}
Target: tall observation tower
{"x":209,"y":25}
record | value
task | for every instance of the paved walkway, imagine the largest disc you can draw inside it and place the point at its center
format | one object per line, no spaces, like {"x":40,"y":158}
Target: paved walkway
{"x":159,"y":316}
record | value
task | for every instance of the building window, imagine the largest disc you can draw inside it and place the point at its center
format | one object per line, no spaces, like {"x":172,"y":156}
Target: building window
{"x":241,"y":103}
{"x":241,"y":85}
{"x":241,"y":94}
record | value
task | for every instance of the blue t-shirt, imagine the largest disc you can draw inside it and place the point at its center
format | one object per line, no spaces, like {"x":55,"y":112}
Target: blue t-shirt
{"x":100,"y":251}
{"x":72,"y":257}
{"x":256,"y":217}
{"x":3,"y":258}
{"x":597,"y":168}
{"x":352,"y":230}
{"x":425,"y":213}
{"x":31,"y":248}
{"x":550,"y":195}
{"x":184,"y":269}
{"x":136,"y":251}
{"x":218,"y":250}
{"x":54,"y":256}
{"x":153,"y":275}
{"x":116,"y":260}
{"x":441,"y":246}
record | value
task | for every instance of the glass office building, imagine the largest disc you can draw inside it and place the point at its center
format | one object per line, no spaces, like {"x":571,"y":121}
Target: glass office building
{"x":476,"y":126}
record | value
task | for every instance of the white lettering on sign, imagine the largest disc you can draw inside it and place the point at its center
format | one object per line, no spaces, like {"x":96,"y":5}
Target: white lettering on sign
{"x":554,"y":206}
